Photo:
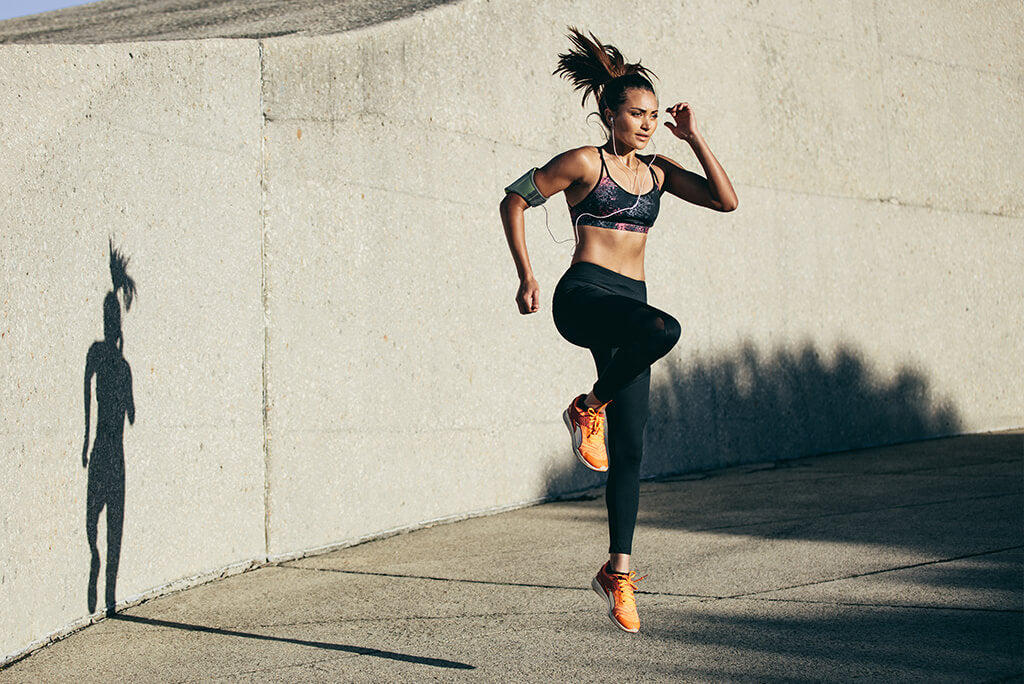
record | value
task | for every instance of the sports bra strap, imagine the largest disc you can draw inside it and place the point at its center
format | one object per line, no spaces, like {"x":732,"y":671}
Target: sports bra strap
{"x":604,"y":167}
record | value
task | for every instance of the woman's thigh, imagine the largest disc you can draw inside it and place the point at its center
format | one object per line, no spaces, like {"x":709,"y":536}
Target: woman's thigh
{"x":591,"y":317}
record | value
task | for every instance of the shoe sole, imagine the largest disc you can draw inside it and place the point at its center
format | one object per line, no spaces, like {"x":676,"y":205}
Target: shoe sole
{"x":596,"y":586}
{"x":575,"y":448}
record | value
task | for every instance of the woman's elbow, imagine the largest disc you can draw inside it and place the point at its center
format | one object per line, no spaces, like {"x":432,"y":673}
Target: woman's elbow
{"x":511,"y":202}
{"x":728,"y":205}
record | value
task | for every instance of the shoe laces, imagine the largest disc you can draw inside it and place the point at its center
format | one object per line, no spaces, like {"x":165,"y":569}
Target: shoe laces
{"x":594,"y":423}
{"x":625,"y":585}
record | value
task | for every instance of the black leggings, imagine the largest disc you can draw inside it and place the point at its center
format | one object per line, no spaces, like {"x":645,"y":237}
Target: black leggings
{"x":607,"y":313}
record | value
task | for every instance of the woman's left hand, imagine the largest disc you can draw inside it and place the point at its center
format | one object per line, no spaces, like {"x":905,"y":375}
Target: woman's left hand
{"x":685,"y":126}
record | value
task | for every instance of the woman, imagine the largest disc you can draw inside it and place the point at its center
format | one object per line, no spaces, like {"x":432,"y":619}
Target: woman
{"x":600,"y":303}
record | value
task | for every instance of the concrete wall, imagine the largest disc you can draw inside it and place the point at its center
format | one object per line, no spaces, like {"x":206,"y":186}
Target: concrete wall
{"x":156,"y":146}
{"x":312,"y":225}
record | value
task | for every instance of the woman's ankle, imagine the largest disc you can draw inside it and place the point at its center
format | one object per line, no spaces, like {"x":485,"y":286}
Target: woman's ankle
{"x":619,"y":563}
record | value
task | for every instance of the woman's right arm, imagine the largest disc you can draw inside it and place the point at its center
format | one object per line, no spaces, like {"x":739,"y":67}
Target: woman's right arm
{"x":513,"y":209}
{"x":557,"y":175}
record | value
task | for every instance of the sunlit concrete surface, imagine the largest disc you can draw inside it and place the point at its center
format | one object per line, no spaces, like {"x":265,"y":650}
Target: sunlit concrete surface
{"x":898,"y":564}
{"x":324,"y":347}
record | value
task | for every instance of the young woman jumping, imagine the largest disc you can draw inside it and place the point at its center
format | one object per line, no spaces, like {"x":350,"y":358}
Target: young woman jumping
{"x":614,"y":194}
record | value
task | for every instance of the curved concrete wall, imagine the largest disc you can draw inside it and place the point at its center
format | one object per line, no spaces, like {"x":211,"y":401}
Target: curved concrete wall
{"x":324,"y":345}
{"x":156,"y":146}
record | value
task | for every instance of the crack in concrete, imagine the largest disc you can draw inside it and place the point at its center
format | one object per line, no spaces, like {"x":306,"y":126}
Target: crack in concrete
{"x":754,"y":595}
{"x":892,"y":200}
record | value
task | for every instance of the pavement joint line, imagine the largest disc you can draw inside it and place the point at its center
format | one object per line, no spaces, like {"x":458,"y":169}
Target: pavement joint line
{"x":699,"y":597}
{"x":902,"y":606}
{"x":433,"y":579}
{"x":858,"y":511}
{"x":493,"y":583}
{"x":409,"y":618}
{"x":875,"y":572}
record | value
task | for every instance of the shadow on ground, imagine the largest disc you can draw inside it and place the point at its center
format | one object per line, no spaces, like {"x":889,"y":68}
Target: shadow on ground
{"x":355,"y":650}
{"x":781,"y":643}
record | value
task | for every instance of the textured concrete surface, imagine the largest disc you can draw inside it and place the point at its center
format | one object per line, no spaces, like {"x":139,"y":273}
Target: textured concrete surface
{"x":817,"y":317}
{"x":898,"y":564}
{"x":156,"y":148}
{"x":121,"y":21}
{"x":324,"y":346}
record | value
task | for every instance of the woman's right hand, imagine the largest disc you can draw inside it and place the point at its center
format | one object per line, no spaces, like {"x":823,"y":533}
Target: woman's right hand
{"x":528,"y":297}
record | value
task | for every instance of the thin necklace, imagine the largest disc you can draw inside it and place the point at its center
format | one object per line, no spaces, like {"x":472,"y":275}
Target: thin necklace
{"x":636,"y":174}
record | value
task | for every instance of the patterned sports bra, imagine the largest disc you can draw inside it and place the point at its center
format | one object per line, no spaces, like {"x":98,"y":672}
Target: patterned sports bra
{"x":609,"y":205}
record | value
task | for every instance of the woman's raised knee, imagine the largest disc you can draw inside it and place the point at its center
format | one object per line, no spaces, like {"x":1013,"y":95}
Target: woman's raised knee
{"x":662,"y":335}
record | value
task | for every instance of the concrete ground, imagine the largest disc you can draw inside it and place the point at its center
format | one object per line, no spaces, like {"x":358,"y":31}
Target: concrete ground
{"x":892,"y":564}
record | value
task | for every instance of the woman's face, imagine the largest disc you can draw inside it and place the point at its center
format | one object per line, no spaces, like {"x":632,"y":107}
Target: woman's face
{"x":634,"y":122}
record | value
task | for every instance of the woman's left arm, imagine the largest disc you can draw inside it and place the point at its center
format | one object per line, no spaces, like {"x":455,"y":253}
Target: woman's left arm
{"x":715,"y":191}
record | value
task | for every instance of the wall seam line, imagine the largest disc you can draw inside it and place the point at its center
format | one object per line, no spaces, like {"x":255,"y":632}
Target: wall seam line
{"x":264,"y":302}
{"x":882,"y":67}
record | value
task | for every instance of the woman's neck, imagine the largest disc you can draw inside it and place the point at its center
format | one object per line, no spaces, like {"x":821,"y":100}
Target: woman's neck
{"x":624,"y":153}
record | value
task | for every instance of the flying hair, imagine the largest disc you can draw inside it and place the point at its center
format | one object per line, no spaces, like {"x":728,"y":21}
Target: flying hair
{"x":119,"y":275}
{"x":590,"y":65}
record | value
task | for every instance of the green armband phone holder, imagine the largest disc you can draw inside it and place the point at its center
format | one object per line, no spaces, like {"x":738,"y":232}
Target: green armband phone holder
{"x":527,"y":189}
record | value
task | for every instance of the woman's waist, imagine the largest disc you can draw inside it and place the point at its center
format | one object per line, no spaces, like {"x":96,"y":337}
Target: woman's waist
{"x":622,"y":253}
{"x":585,"y":276}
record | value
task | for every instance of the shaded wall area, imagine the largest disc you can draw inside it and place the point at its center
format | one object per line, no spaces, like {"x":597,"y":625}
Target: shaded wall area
{"x":324,"y":345}
{"x":755,"y":405}
{"x":765,"y":405}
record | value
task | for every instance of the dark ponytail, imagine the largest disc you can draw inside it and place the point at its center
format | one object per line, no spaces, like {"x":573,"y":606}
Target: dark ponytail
{"x":601,"y":71}
{"x":119,"y":276}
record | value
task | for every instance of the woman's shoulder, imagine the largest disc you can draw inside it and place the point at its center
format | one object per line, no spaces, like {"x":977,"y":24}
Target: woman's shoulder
{"x":662,"y":165}
{"x":578,"y":163}
{"x":662,"y":162}
{"x":588,"y":154}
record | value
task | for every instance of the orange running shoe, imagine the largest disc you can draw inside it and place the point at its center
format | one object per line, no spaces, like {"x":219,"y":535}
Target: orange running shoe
{"x":618,"y":590}
{"x":586,"y":426}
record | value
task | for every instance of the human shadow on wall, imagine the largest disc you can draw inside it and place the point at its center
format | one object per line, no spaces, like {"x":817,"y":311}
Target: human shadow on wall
{"x":114,"y":402}
{"x":748,"y":405}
